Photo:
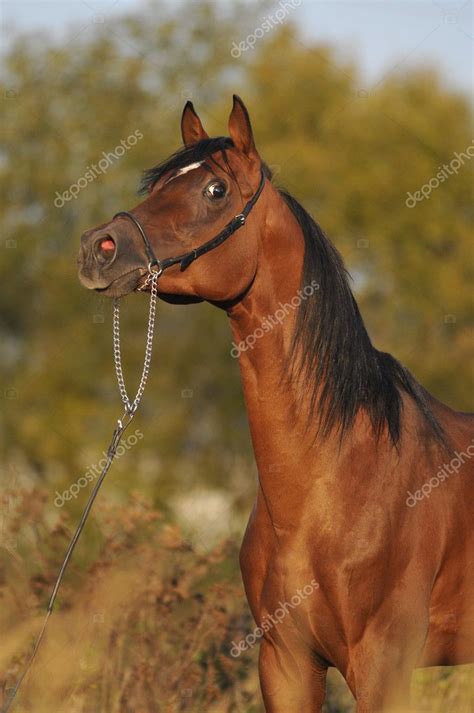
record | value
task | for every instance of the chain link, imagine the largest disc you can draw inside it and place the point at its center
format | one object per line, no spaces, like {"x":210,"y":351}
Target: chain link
{"x":131,"y":406}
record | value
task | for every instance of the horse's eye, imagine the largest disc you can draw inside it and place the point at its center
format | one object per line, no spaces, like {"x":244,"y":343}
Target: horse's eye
{"x":216,"y":190}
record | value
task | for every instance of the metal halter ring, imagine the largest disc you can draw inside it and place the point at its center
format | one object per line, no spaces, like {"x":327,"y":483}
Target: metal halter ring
{"x":155,"y":268}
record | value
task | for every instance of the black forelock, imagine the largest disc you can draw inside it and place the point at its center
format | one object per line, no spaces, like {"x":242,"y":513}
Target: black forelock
{"x":199,"y":151}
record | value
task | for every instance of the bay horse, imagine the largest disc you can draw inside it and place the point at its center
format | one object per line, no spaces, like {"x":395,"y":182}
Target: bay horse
{"x":350,"y":449}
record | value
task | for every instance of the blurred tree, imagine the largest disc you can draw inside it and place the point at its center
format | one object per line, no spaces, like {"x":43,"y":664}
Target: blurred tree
{"x":350,"y":153}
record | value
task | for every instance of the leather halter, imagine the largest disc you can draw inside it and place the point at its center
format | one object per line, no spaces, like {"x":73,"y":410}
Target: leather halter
{"x":155,"y":265}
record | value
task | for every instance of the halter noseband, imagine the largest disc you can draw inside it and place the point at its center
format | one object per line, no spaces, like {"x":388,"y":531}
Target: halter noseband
{"x":158,"y":266}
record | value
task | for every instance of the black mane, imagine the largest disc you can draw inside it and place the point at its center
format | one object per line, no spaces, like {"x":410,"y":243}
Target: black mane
{"x":331,"y":351}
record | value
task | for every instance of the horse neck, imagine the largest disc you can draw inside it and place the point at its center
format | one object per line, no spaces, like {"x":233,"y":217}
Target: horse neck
{"x":262,"y":327}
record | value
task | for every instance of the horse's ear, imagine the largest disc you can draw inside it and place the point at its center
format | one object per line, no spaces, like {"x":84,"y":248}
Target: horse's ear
{"x":240,"y":128}
{"x":192,"y":130}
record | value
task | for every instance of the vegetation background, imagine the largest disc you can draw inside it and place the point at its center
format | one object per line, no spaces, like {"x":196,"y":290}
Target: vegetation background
{"x":153,"y":599}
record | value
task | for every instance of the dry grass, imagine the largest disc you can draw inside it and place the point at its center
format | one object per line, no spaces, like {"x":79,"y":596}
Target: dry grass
{"x":148,"y":627}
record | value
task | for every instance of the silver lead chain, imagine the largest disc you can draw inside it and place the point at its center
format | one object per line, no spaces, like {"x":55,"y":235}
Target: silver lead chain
{"x":131,"y":406}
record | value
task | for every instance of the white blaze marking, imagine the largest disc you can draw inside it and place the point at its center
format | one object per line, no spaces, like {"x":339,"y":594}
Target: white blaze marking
{"x":185,"y":169}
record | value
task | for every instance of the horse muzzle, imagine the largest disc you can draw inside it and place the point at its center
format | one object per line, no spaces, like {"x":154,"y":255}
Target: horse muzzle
{"x":108,"y":263}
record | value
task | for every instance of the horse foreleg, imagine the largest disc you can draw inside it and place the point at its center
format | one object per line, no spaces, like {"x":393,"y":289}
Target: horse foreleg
{"x":291,"y":681}
{"x":382,"y":664}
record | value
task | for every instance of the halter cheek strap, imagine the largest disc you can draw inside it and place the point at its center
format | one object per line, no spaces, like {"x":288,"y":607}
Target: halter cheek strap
{"x":185,"y":260}
{"x":152,"y":259}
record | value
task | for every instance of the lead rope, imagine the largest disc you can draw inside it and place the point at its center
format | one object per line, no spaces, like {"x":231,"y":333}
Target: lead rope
{"x":122,"y":424}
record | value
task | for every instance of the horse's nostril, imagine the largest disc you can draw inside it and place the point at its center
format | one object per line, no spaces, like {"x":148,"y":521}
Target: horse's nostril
{"x":107,"y":245}
{"x":105,"y":249}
